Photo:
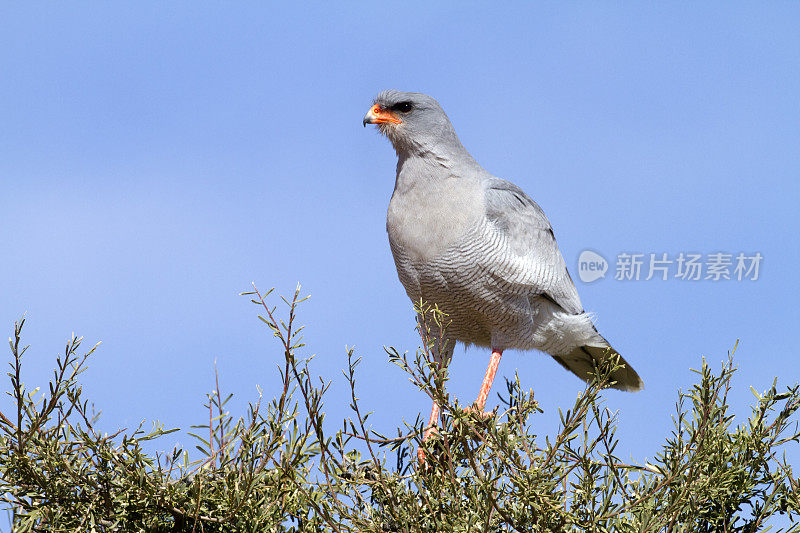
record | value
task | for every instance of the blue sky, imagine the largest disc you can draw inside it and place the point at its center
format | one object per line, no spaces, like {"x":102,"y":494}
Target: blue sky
{"x":158,"y":158}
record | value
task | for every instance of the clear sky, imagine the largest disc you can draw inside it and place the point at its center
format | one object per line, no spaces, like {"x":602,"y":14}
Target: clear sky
{"x":157,"y":158}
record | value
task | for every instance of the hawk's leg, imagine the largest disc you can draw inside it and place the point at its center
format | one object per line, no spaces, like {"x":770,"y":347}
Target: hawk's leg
{"x":486,"y":386}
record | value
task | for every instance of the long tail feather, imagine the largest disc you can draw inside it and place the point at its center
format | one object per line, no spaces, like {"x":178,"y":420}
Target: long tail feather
{"x":581,"y":362}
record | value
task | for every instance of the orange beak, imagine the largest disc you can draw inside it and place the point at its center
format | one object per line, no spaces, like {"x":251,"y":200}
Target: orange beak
{"x":379,"y":115}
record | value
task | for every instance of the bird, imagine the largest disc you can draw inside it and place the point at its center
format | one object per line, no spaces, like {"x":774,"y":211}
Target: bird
{"x":481,"y":250}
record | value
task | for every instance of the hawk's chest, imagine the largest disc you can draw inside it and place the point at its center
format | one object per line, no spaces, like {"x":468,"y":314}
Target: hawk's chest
{"x":425,"y":220}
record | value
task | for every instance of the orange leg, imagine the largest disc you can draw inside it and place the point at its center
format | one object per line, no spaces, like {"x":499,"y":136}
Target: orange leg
{"x":488,"y":379}
{"x":433,"y":422}
{"x":431,"y":428}
{"x":483,"y":394}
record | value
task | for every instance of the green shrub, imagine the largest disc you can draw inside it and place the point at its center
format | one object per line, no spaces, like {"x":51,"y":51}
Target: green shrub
{"x":281,"y":468}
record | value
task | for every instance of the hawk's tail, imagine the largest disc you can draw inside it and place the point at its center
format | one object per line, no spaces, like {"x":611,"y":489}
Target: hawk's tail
{"x":582,"y":361}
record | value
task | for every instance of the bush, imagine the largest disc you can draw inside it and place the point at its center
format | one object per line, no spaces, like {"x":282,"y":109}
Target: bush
{"x":280,"y":468}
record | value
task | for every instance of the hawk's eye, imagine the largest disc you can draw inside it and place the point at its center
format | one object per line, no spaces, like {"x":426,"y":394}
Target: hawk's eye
{"x":404,"y":107}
